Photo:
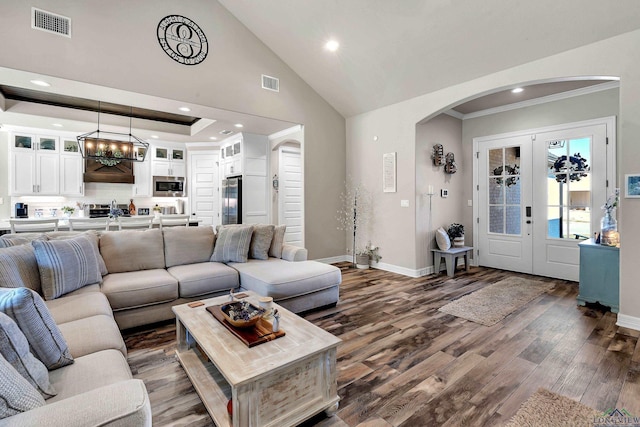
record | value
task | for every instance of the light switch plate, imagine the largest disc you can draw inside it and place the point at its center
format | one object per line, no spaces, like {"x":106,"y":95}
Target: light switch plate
{"x":404,"y":203}
{"x":469,"y":202}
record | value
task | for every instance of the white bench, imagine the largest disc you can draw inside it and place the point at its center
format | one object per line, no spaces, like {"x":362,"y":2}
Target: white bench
{"x":450,"y":258}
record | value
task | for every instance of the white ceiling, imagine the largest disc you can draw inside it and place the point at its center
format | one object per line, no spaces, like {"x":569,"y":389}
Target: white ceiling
{"x":391,"y":51}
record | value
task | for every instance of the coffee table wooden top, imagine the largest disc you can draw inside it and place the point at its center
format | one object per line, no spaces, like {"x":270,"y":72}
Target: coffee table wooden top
{"x":239,"y":363}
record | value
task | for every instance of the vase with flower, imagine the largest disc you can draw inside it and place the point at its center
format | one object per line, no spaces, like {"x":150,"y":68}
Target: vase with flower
{"x":608,"y":225}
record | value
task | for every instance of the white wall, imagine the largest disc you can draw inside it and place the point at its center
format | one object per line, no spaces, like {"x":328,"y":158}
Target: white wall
{"x":114,"y":45}
{"x":5,"y":208}
{"x":618,"y":56}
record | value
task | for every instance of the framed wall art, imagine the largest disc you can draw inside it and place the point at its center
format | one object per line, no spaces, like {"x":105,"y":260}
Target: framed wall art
{"x":632,"y":185}
{"x":389,"y":172}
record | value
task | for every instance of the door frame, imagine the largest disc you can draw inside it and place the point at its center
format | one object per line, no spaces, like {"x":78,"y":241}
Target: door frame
{"x":611,"y":133}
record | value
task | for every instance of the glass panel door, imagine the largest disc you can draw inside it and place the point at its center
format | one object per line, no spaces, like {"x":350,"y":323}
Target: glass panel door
{"x":504,"y":188}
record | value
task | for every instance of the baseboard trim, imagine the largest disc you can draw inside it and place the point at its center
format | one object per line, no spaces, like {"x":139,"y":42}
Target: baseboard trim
{"x":382,"y":266}
{"x":628,"y":322}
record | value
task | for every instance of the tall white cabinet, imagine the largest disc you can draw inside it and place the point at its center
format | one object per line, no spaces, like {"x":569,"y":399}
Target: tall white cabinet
{"x":247,"y":155}
{"x":35,"y":165}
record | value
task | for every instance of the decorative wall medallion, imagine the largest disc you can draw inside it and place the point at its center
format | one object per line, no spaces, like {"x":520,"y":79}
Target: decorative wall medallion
{"x":182,"y":39}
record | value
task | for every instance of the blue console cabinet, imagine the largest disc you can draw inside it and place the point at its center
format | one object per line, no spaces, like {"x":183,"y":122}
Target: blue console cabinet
{"x":599,"y":275}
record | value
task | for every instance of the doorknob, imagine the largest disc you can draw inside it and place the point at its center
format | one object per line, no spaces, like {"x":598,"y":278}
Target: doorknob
{"x":528,"y":221}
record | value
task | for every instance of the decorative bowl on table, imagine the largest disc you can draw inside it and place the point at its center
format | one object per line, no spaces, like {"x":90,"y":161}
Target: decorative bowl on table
{"x":242,"y":314}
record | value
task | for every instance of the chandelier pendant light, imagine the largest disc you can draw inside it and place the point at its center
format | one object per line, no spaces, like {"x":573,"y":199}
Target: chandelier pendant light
{"x":111,"y":148}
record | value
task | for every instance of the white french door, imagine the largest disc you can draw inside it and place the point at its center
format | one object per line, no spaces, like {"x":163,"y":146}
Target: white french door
{"x":203,"y":186}
{"x":539,"y":195}
{"x":504,"y":168}
{"x":291,"y":206}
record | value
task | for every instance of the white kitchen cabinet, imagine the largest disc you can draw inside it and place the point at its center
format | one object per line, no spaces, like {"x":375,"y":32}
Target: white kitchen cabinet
{"x":71,"y":170}
{"x":35,"y":165}
{"x":168,"y":161}
{"x":142,"y":176}
{"x":247,"y":155}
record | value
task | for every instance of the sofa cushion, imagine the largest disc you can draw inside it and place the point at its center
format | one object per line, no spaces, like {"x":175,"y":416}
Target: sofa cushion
{"x":78,"y":306}
{"x":15,"y":350}
{"x":66,"y":265}
{"x":187,"y":245}
{"x":93,"y":334}
{"x":93,"y":237}
{"x":132,"y":250}
{"x":19,"y":267}
{"x":203,"y":278}
{"x":89,"y":372}
{"x":232,"y":244}
{"x":139,"y":288}
{"x":261,"y":241}
{"x":282,"y":279}
{"x":16,"y":394}
{"x":275,"y":250}
{"x":31,"y":314}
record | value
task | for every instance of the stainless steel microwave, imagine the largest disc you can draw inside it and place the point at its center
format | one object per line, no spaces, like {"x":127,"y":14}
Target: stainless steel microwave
{"x":168,"y":186}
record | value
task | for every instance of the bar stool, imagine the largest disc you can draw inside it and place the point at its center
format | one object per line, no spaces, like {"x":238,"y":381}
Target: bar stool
{"x":134,"y":222}
{"x":20,"y":225}
{"x":174,"y":220}
{"x":89,"y":224}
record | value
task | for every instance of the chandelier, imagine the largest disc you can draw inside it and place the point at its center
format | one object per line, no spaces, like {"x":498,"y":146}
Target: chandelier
{"x":111,"y":148}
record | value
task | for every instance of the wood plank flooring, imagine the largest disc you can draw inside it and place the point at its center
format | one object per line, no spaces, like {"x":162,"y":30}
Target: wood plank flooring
{"x":403,"y":363}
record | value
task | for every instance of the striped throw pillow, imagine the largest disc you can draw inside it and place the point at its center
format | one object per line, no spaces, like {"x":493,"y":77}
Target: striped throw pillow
{"x":16,"y":394}
{"x":27,"y":309}
{"x":232,"y":244}
{"x":278,"y":240}
{"x":18,"y":267}
{"x":15,"y":349}
{"x":66,"y":265}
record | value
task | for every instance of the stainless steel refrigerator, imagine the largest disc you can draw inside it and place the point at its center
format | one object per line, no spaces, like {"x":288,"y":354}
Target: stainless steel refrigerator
{"x":232,"y":201}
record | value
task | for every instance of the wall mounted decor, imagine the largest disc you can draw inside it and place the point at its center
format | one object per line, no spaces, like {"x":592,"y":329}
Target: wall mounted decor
{"x":389,"y":172}
{"x":632,"y":185}
{"x":438,"y":155}
{"x":450,"y":166}
{"x":182,"y":39}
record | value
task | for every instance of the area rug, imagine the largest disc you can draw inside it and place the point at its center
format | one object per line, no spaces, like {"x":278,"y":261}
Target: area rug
{"x":545,"y":408}
{"x":493,"y":303}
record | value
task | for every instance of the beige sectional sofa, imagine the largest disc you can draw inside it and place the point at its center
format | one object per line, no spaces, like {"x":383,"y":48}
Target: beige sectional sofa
{"x":147,"y":272}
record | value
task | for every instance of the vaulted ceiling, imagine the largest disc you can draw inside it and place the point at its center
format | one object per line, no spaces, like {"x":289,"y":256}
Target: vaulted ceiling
{"x":391,"y":51}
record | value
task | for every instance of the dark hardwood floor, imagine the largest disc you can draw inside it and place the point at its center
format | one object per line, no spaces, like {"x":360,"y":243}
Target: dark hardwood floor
{"x":404,"y":363}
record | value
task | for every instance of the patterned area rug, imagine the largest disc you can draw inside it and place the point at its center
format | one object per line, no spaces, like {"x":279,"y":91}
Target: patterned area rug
{"x":545,"y":408}
{"x":493,"y":303}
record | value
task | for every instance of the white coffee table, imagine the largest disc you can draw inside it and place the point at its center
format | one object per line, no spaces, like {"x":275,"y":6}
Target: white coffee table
{"x":279,"y":383}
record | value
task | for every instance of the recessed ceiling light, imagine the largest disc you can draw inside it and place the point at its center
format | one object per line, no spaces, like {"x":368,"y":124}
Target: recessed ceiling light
{"x":332,"y":45}
{"x":517,"y":90}
{"x":58,"y":125}
{"x":185,"y":109}
{"x":213,"y":138}
{"x":238,"y":125}
{"x":154,"y":136}
{"x":40,"y":83}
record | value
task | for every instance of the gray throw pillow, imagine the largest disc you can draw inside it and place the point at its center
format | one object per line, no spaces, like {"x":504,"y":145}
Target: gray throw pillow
{"x":18,"y":267}
{"x":18,"y":239}
{"x":93,"y":237}
{"x":15,"y":349}
{"x":28,"y":310}
{"x":261,"y":241}
{"x":66,"y":265}
{"x":278,"y":240}
{"x":232,"y":244}
{"x":16,"y":394}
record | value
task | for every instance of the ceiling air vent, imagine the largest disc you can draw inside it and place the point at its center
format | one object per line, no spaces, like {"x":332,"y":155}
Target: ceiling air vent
{"x":270,"y":83}
{"x":226,"y":132}
{"x":50,"y":22}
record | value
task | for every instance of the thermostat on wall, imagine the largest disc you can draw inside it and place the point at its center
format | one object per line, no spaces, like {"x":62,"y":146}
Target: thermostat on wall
{"x":444,"y":192}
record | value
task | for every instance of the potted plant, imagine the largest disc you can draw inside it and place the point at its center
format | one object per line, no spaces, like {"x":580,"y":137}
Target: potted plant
{"x":67,"y":211}
{"x":355,"y":214}
{"x":456,"y":234}
{"x":156,"y":211}
{"x":362,"y":259}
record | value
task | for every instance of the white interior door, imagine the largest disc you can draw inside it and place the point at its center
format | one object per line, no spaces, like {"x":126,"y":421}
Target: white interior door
{"x":291,"y":195}
{"x":569,"y":187}
{"x":539,"y":195}
{"x":504,"y":188}
{"x":204,"y":191}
